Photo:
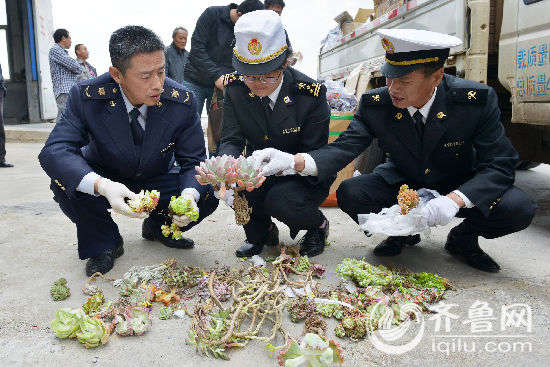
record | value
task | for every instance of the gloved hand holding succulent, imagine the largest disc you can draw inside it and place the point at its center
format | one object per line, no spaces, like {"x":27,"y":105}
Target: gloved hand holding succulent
{"x":183,"y":210}
{"x":230,"y":176}
{"x":145,"y":201}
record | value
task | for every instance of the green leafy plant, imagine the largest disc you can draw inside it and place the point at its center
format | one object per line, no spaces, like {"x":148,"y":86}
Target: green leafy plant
{"x":313,"y":351}
{"x":94,"y":303}
{"x":66,"y":323}
{"x":92,"y":333}
{"x":59,"y":290}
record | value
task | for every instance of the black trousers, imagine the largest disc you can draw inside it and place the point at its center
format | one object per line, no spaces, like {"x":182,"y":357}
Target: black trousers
{"x":96,"y":230}
{"x":2,"y":131}
{"x":369,"y":193}
{"x":290,"y":199}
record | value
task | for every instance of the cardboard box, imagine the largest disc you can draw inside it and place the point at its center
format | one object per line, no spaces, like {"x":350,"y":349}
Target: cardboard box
{"x":363,"y":15}
{"x":339,"y":122}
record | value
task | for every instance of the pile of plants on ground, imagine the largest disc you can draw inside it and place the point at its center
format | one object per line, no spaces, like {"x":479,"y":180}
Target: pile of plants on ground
{"x":230,"y":308}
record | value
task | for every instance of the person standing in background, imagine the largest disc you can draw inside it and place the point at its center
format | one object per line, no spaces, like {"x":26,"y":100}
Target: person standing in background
{"x":276,"y":5}
{"x":176,"y":55}
{"x":212,"y":49}
{"x":88,"y":71}
{"x":3,"y":163}
{"x":63,"y":68}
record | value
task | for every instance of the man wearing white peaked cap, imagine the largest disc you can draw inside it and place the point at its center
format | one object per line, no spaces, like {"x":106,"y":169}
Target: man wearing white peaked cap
{"x":438,"y":132}
{"x":270,"y":105}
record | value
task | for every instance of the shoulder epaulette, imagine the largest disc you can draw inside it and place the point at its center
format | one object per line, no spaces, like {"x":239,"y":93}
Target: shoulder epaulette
{"x":309,"y":89}
{"x":231,"y":78}
{"x":100,"y":91}
{"x":177,"y":95}
{"x":469,"y":95}
{"x":376,"y":97}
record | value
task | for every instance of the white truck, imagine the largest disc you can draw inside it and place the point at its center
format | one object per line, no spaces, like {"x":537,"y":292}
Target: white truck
{"x":506,"y":44}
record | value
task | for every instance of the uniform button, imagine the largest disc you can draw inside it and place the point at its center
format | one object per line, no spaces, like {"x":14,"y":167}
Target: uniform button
{"x":491,"y":207}
{"x":427,"y":171}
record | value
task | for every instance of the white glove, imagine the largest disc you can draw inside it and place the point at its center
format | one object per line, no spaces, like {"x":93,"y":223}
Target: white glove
{"x":440,"y":211}
{"x":184,"y":220}
{"x":115,"y":193}
{"x":274,"y":161}
{"x":227,"y":199}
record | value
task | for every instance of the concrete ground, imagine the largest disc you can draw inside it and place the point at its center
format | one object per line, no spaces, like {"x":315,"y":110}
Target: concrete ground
{"x":37,"y":246}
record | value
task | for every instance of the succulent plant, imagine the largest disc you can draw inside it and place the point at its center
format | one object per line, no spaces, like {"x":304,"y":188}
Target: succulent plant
{"x":222,"y":172}
{"x":134,"y":321}
{"x":218,"y":172}
{"x":92,"y":333}
{"x":313,"y":351}
{"x":182,"y":206}
{"x":407,"y":199}
{"x":300,"y":309}
{"x":166,"y":313}
{"x":222,"y":290}
{"x":303,"y":264}
{"x":145,"y":202}
{"x":59,"y":290}
{"x":94,"y":303}
{"x":248,"y":177}
{"x":66,"y":323}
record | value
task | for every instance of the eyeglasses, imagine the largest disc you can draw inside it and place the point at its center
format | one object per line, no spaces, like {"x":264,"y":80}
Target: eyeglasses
{"x":262,"y":79}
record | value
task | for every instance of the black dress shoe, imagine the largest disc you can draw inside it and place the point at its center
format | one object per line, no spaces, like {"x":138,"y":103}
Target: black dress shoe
{"x":393,"y":245}
{"x":5,"y":165}
{"x":150,"y":230}
{"x":314,"y":241}
{"x":105,"y":261}
{"x":250,"y":249}
{"x":466,"y":248}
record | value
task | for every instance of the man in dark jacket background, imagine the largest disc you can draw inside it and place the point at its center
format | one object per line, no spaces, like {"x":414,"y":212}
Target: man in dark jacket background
{"x":176,"y":55}
{"x":212,"y":49}
{"x":3,"y":163}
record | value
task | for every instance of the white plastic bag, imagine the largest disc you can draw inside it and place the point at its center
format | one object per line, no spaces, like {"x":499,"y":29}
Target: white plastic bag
{"x":391,"y":222}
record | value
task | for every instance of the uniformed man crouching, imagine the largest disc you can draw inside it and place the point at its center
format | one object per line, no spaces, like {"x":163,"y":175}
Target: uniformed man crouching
{"x":118,"y":135}
{"x":439,"y":132}
{"x":270,"y":105}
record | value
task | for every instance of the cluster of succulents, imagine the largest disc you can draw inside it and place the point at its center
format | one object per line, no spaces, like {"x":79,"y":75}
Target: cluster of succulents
{"x":301,"y":308}
{"x":314,"y":350}
{"x":222,"y":289}
{"x":59,"y":290}
{"x":181,"y":277}
{"x":355,"y":327}
{"x":166,"y":313}
{"x":303,"y":264}
{"x":224,"y":171}
{"x":179,"y":206}
{"x":145,"y":202}
{"x":335,"y":310}
{"x":407,"y":199}
{"x":94,"y":303}
{"x":134,"y":321}
{"x":89,"y":331}
{"x":365,"y":274}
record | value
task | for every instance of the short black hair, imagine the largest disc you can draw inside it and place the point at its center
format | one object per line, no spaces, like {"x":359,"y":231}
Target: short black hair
{"x":269,"y":3}
{"x":431,"y":67}
{"x":129,"y":41}
{"x":76,"y":47}
{"x":250,"y":5}
{"x":59,"y":34}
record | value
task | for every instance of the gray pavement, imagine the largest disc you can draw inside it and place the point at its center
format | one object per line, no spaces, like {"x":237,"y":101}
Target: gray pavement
{"x":37,"y":246}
